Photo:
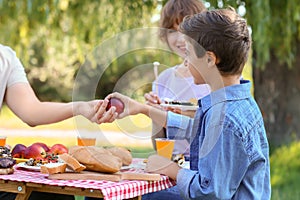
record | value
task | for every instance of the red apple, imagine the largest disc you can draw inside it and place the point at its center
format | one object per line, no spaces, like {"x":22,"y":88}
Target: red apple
{"x":58,"y":149}
{"x":42,"y":145}
{"x":116,"y":103}
{"x":18,"y":151}
{"x":35,"y":151}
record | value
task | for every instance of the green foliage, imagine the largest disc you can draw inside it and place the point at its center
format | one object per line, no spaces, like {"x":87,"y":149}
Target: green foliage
{"x":258,"y":16}
{"x":276,"y":30}
{"x":285,"y":171}
{"x":52,"y":38}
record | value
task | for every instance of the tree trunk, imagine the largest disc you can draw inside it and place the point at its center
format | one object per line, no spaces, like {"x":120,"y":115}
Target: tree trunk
{"x":277,"y":91}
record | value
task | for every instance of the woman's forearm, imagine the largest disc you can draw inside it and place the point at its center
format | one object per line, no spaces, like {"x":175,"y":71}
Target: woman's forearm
{"x":47,"y":113}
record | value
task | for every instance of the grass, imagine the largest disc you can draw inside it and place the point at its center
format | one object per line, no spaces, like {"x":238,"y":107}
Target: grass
{"x":139,"y":122}
{"x":285,"y":172}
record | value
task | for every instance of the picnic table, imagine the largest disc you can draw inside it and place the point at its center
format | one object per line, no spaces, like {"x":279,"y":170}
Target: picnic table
{"x":23,"y":182}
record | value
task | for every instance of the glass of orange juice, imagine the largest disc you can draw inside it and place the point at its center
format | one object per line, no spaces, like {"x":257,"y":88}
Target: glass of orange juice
{"x":2,"y":140}
{"x":86,"y":141}
{"x":164,"y":147}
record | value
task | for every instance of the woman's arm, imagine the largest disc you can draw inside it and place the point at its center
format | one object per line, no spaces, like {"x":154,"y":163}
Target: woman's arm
{"x":22,"y":100}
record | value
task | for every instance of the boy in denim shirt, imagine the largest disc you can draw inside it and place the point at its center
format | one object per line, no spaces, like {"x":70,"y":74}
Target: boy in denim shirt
{"x":229,"y":147}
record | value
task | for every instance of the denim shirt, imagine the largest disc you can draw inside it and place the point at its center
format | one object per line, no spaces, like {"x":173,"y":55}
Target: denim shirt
{"x":231,"y":158}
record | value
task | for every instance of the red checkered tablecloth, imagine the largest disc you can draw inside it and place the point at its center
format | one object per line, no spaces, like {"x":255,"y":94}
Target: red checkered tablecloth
{"x":111,"y":190}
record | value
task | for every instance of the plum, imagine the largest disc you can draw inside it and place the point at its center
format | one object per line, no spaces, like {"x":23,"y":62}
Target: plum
{"x":58,"y":149}
{"x":18,"y":151}
{"x":42,"y":145}
{"x":116,"y":103}
{"x":35,"y":151}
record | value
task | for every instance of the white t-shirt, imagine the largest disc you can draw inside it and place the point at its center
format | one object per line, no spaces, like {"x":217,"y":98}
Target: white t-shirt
{"x":11,"y":70}
{"x":170,"y":85}
{"x":173,"y":87}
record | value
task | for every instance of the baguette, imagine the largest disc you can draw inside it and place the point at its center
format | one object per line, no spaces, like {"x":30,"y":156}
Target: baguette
{"x":79,"y":149}
{"x":53,"y":168}
{"x":123,"y":153}
{"x":96,"y":158}
{"x":71,"y":162}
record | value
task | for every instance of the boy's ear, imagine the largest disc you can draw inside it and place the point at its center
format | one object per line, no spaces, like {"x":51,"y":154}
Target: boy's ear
{"x":211,"y":57}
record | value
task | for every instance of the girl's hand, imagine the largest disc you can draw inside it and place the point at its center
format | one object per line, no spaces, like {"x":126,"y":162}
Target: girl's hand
{"x":153,"y":100}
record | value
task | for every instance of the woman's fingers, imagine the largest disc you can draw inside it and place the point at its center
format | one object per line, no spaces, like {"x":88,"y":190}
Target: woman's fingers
{"x":108,"y":116}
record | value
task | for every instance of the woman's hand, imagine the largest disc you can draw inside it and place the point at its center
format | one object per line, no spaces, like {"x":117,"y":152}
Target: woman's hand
{"x":95,"y":111}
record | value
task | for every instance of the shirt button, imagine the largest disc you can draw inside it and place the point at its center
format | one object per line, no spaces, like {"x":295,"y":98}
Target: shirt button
{"x":241,"y":136}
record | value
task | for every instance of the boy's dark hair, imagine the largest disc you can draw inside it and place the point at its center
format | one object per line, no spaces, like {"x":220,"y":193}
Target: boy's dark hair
{"x":174,"y":11}
{"x":223,"y":32}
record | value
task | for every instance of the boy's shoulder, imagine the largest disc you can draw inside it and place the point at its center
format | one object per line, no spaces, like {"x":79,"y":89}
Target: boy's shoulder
{"x":234,"y":110}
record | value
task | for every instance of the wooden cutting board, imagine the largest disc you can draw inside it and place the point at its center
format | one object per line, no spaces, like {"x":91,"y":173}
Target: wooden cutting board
{"x":89,"y":175}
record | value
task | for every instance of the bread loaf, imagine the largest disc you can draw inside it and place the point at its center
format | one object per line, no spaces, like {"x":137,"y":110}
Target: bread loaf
{"x":123,"y":153}
{"x":96,"y":158}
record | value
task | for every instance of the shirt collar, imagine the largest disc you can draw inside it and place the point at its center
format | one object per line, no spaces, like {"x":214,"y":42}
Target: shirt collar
{"x":229,"y":93}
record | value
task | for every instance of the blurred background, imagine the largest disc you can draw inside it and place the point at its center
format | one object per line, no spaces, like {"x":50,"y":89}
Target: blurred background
{"x":53,"y":38}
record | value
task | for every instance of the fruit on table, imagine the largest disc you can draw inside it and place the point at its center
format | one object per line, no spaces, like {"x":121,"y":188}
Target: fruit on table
{"x":35,"y":151}
{"x":18,"y":151}
{"x":38,"y":151}
{"x":43,"y":145}
{"x":116,"y":103}
{"x":58,"y":149}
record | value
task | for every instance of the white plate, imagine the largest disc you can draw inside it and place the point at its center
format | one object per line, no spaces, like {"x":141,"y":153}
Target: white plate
{"x":182,"y":107}
{"x":31,"y":168}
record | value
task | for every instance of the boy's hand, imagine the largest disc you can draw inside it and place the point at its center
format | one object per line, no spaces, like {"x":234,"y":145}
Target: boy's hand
{"x":162,"y":165}
{"x":131,"y":107}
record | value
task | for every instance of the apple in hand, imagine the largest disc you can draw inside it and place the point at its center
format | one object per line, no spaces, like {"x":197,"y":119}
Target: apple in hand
{"x":35,"y":151}
{"x":58,"y":149}
{"x":116,"y":103}
{"x":18,"y":151}
{"x":42,"y":145}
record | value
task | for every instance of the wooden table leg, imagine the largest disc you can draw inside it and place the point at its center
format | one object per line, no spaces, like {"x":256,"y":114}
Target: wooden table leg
{"x":24,"y":196}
